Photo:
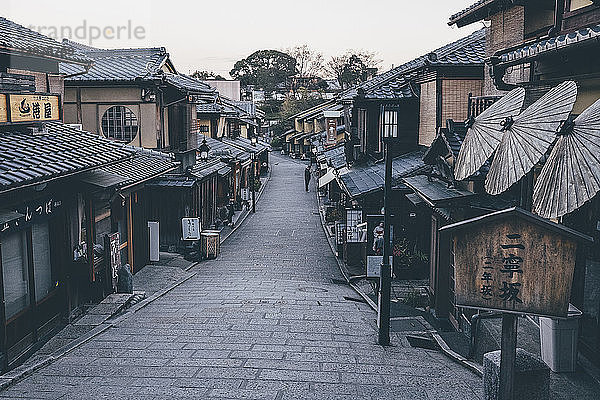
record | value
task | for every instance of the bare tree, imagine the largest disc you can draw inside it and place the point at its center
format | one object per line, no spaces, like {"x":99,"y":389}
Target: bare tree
{"x":309,"y":62}
{"x":352,"y":66}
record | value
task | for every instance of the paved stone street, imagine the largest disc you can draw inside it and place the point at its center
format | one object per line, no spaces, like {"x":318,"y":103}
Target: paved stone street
{"x":264,"y":321}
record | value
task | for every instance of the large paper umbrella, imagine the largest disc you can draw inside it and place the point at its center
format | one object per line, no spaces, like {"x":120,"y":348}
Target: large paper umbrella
{"x":571,"y":175}
{"x":528,"y":137}
{"x":485,"y":133}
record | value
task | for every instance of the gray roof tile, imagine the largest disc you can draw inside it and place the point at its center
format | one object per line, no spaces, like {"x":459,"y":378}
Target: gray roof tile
{"x":26,"y":158}
{"x":19,"y":39}
{"x":469,"y":50}
{"x":361,"y":180}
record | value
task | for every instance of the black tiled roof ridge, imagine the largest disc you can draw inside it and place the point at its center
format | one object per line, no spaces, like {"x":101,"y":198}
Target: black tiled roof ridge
{"x":418,"y":62}
{"x":29,"y":41}
{"x":83,"y":48}
{"x":470,"y":8}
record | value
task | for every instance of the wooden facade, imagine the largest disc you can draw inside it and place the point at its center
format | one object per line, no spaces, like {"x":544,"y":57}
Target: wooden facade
{"x":513,"y":27}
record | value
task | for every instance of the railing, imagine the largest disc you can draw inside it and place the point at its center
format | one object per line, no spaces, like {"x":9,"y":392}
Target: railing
{"x":478,"y":104}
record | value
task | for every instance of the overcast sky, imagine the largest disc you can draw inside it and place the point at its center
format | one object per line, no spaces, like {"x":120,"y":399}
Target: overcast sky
{"x":212,"y":35}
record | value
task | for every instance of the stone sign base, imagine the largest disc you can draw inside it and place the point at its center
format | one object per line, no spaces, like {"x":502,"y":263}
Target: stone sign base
{"x":532,"y":376}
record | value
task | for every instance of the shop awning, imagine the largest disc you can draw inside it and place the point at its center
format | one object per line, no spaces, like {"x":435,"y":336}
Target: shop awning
{"x":102,"y":179}
{"x":224,"y":171}
{"x":328,"y":177}
{"x":414,"y":199}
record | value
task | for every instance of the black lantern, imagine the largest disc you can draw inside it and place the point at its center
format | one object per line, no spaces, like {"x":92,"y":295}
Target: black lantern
{"x":204,"y":149}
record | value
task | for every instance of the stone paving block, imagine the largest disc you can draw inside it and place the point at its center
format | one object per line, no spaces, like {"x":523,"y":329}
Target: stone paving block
{"x":244,"y":394}
{"x":283,"y":364}
{"x":263,"y":320}
{"x":306,"y":376}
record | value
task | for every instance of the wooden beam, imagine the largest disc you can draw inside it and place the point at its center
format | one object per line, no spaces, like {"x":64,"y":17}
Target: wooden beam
{"x":508,"y":353}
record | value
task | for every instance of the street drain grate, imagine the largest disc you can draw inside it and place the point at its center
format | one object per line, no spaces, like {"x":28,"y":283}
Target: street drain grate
{"x":356,"y":299}
{"x":312,"y":290}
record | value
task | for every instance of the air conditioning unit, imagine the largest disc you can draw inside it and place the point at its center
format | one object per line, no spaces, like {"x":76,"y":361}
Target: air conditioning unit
{"x":75,"y":126}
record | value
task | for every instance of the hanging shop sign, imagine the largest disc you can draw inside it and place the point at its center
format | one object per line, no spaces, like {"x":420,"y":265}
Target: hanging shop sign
{"x":32,"y":107}
{"x":245,"y":194}
{"x":3,"y":110}
{"x":114,"y":241}
{"x":374,"y":265}
{"x":30,"y":213}
{"x":353,"y":219}
{"x":190,"y":228}
{"x":515,"y":262}
{"x":331,"y":130}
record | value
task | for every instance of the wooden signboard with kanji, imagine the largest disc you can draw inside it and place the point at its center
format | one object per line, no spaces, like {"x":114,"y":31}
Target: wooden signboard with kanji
{"x":3,"y":112}
{"x":514,"y":261}
{"x":34,"y":107}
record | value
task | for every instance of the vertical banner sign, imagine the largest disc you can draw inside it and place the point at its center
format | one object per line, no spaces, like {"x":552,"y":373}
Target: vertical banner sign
{"x":34,"y":107}
{"x":190,"y":228}
{"x":331,"y":130}
{"x":3,"y":112}
{"x":353,"y":219}
{"x":115,"y":253}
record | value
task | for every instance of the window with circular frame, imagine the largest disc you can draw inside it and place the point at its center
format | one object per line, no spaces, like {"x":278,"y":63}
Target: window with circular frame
{"x":120,"y":124}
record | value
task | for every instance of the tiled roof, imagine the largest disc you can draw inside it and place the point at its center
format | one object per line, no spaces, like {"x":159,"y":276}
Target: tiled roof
{"x":395,"y":89}
{"x":477,"y":11}
{"x":246,"y":144}
{"x":173,"y":181}
{"x":189,"y":84}
{"x":221,"y":149}
{"x":203,"y":169}
{"x":116,"y":64}
{"x":434,"y":191}
{"x":469,"y":50}
{"x":144,"y":165}
{"x":28,"y":159}
{"x":219,"y":108}
{"x":361,"y":180}
{"x":16,"y":38}
{"x":336,"y":157}
{"x":561,"y":42}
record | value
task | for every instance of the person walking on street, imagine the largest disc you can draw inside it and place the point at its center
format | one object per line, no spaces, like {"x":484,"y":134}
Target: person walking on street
{"x":307,"y":176}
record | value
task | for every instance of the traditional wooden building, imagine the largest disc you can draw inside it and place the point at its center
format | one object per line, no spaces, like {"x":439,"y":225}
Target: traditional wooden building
{"x":134,"y":96}
{"x":538,"y":45}
{"x":413,"y":100}
{"x":43,"y":229}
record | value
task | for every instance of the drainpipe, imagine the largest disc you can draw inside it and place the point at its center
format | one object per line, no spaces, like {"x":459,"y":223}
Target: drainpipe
{"x":86,"y":67}
{"x":497,"y":73}
{"x":559,"y":9}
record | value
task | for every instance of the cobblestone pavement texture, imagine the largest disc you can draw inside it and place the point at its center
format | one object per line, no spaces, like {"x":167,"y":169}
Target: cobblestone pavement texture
{"x":263,"y":321}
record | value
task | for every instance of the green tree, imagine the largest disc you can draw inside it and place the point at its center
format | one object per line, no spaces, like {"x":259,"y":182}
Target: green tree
{"x":265,"y":69}
{"x":207,"y":75}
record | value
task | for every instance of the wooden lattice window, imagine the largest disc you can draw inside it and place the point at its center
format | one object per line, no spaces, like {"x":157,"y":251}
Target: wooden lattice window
{"x":119,"y":123}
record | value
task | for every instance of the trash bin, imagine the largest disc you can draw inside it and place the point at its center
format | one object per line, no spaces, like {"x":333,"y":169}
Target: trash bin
{"x":211,"y":244}
{"x":558,"y":338}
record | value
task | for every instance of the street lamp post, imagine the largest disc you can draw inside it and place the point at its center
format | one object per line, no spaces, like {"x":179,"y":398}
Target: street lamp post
{"x":389,"y":133}
{"x":253,"y":158}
